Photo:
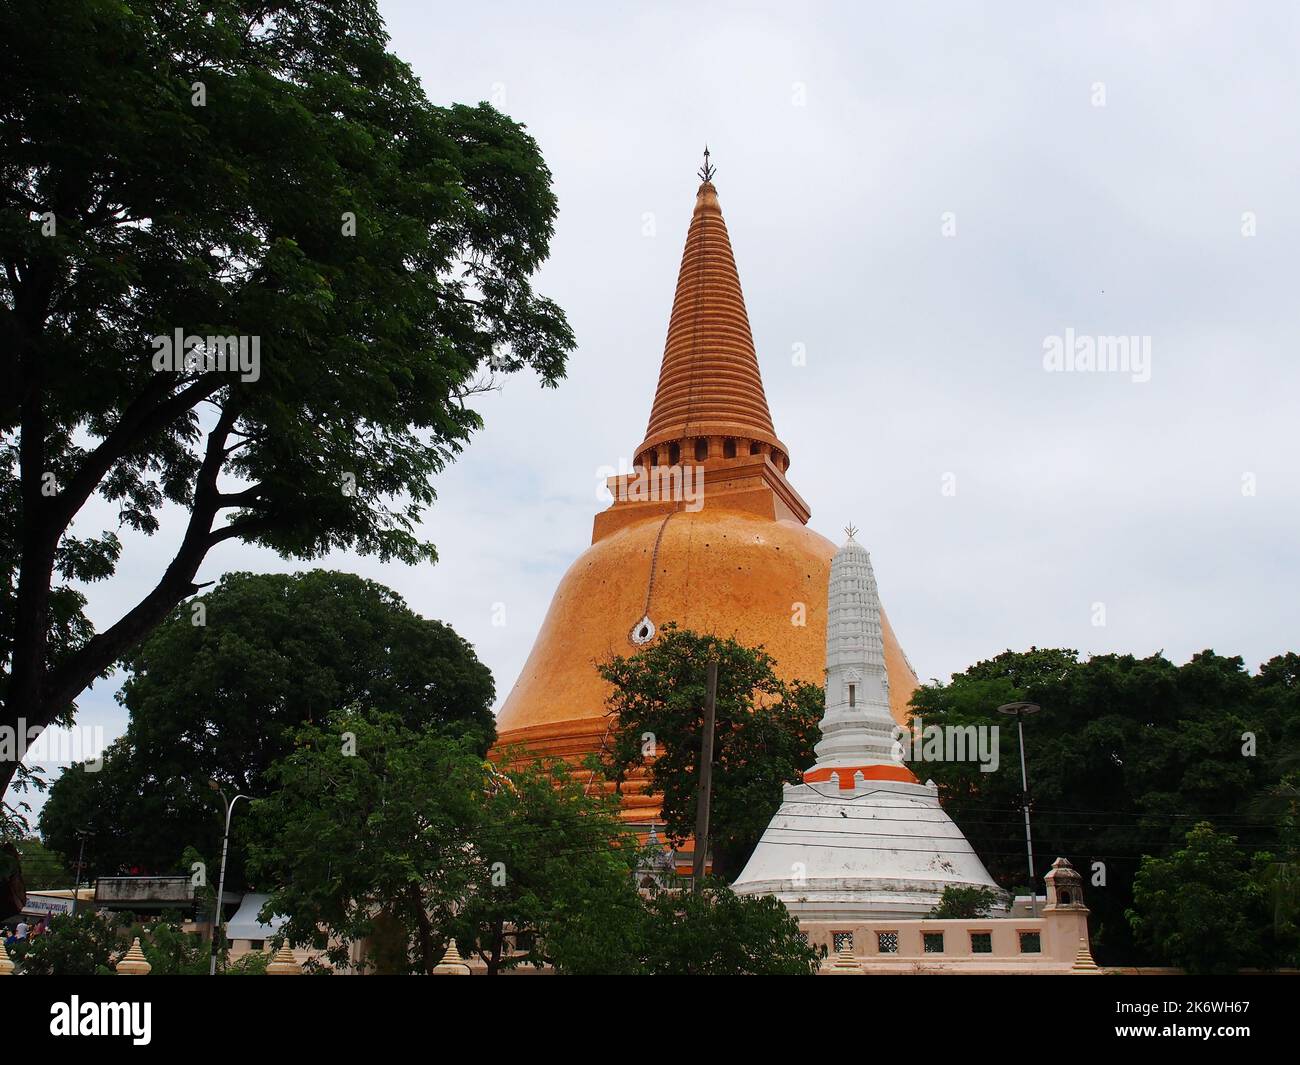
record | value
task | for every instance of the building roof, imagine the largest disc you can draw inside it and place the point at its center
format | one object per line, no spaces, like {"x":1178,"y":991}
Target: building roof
{"x":245,"y":923}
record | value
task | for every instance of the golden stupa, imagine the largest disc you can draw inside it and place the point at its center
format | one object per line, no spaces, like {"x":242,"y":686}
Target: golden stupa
{"x":743,"y":564}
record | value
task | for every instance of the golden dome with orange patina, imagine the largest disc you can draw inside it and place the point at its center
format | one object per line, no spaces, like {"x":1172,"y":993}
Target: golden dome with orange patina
{"x":739,"y":561}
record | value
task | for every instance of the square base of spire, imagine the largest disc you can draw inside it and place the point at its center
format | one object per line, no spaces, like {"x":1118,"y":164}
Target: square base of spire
{"x":751,"y":483}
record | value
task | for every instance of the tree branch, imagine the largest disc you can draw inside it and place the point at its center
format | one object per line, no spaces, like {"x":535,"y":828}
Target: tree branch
{"x":145,"y":415}
{"x":240,"y":499}
{"x":105,"y":648}
{"x":246,"y":527}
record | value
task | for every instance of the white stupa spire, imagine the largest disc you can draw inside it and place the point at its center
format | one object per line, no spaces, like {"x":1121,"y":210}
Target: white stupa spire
{"x":860,"y":838}
{"x":857,"y":728}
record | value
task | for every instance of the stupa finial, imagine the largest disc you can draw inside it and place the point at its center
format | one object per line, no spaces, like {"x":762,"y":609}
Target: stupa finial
{"x":707,"y":171}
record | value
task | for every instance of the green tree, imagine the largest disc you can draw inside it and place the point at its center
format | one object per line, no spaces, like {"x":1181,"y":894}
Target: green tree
{"x":1126,"y":755}
{"x":369,"y":831}
{"x":42,"y":868}
{"x":403,"y":839}
{"x":128,"y":827}
{"x":557,"y":879}
{"x":248,"y":170}
{"x":412,"y":839}
{"x":253,"y":963}
{"x":1278,"y":687}
{"x":70,"y":946}
{"x":719,"y":933}
{"x":764,"y":735}
{"x":277,"y":651}
{"x":172,"y":952}
{"x":1203,"y":908}
{"x":222,"y":701}
{"x":965,"y":903}
{"x":15,"y":808}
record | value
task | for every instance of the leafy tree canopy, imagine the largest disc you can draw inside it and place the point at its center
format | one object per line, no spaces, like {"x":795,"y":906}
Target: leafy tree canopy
{"x":1126,"y":755}
{"x":559,"y":886}
{"x":129,"y":827}
{"x":41,"y":868}
{"x":89,"y":945}
{"x":965,"y":903}
{"x":276,"y":651}
{"x":264,"y":171}
{"x":222,"y":701}
{"x":80,"y":945}
{"x":172,"y":952}
{"x":1204,"y":908}
{"x":719,"y":933}
{"x":370,"y":823}
{"x":404,"y":840}
{"x":764,"y":735}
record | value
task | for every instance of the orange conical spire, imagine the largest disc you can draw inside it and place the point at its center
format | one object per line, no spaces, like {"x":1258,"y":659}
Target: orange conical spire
{"x":710,"y":401}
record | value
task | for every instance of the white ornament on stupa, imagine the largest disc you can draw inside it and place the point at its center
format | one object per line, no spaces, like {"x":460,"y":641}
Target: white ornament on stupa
{"x":860,"y":838}
{"x":857,"y":727}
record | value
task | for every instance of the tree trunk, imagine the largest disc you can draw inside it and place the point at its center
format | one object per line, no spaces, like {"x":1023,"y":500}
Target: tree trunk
{"x":32,"y":606}
{"x":423,"y":932}
{"x":498,"y":941}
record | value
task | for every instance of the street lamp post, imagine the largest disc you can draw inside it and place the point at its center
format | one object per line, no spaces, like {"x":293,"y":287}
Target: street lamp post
{"x":81,"y":853}
{"x":1021,"y":711}
{"x":221,"y":881}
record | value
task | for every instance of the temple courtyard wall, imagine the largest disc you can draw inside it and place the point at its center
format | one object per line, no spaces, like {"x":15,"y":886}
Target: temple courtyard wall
{"x":1047,"y":945}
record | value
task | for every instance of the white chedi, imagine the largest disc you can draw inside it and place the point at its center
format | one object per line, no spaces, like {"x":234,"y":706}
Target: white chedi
{"x":856,"y":725}
{"x":860,"y":838}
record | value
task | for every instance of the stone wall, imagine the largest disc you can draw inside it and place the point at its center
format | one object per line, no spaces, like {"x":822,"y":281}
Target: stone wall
{"x":1060,"y":934}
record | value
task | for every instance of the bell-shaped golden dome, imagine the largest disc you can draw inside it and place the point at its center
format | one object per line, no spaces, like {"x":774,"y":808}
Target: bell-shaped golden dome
{"x":706,"y":531}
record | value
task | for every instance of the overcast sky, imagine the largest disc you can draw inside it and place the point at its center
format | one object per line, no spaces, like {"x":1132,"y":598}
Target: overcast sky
{"x":1096,"y":170}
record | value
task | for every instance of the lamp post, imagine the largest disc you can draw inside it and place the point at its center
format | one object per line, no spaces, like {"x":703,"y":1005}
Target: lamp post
{"x":221,"y":881}
{"x":1021,"y":711}
{"x":704,"y":797}
{"x":81,"y":853}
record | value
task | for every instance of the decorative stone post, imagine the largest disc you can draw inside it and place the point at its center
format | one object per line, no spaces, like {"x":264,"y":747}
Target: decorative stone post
{"x":842,"y":963}
{"x":1065,"y":924}
{"x":6,"y":965}
{"x":284,"y":963}
{"x":1083,"y":963}
{"x":133,"y":962}
{"x":452,"y":963}
{"x":1064,"y":887}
